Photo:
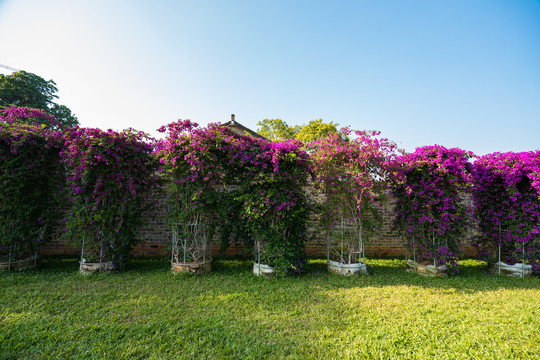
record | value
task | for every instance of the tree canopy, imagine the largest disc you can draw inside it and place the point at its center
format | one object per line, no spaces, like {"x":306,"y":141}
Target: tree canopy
{"x":24,"y":89}
{"x":315,"y":130}
{"x":279,"y":130}
{"x":276,"y":129}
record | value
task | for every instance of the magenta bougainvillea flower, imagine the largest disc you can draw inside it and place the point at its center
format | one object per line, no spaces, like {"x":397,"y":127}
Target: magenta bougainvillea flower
{"x":29,"y":179}
{"x":14,"y":114}
{"x":266,"y":207}
{"x":507,"y":206}
{"x":430,"y":213}
{"x":351,"y":170}
{"x":110,"y":178}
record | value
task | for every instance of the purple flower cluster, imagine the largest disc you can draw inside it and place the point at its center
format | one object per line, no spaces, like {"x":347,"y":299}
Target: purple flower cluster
{"x":429,"y":211}
{"x":506,"y":196}
{"x":253,"y":189}
{"x":14,"y":114}
{"x":110,"y":177}
{"x":218,"y":155}
{"x":29,"y":174}
{"x":267,"y":176}
{"x":351,"y":174}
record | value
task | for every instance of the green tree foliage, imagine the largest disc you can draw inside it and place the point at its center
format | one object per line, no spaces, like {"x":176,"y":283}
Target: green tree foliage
{"x":24,"y":89}
{"x":316,"y":129}
{"x":279,"y":130}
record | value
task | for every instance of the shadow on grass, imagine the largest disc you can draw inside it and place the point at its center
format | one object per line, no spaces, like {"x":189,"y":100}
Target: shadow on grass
{"x":232,"y":265}
{"x":230,"y":313}
{"x":473,"y":277}
{"x":71,"y":264}
{"x":58,"y":264}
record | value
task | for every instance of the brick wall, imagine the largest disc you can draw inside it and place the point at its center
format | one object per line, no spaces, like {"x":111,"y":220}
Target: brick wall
{"x":156,"y":240}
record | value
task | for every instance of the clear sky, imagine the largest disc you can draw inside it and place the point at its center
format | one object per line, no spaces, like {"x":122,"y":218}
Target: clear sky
{"x":460,"y":73}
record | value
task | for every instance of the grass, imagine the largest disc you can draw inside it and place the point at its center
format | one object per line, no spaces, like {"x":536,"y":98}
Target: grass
{"x":148,"y":313}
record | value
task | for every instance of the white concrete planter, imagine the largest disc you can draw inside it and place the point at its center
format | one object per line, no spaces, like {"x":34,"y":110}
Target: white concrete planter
{"x":516,"y":270}
{"x":90,"y":268}
{"x":346,"y":269}
{"x":195,"y":268}
{"x":263,"y":270}
{"x":427,"y":270}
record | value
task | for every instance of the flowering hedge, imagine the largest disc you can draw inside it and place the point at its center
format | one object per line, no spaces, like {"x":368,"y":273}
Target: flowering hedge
{"x":194,"y":160}
{"x":430,"y":215}
{"x":29,"y":177}
{"x":199,"y":162}
{"x":274,"y":208}
{"x":14,"y":114}
{"x":351,"y":174}
{"x":507,"y":206}
{"x":265,"y":205}
{"x":110,"y":177}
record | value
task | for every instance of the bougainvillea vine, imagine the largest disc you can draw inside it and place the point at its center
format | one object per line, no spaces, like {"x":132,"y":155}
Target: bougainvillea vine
{"x":351,"y":169}
{"x":30,"y":176}
{"x":507,"y":207}
{"x":110,"y":178}
{"x":431,"y":214}
{"x":251,"y":187}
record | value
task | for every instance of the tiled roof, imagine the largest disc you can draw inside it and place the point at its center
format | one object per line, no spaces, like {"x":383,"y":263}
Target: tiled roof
{"x":236,"y":126}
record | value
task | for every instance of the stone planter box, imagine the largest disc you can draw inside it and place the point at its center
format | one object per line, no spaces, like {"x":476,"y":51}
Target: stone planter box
{"x":193,"y":268}
{"x":20,"y":265}
{"x":90,"y":268}
{"x":427,"y":270}
{"x":346,"y":269}
{"x":264,"y":270}
{"x":516,"y":270}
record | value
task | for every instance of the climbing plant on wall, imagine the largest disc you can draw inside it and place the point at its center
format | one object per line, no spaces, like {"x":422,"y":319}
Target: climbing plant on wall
{"x":351,"y":170}
{"x":30,"y":174}
{"x":110,"y":178}
{"x":507,"y":207}
{"x":250,"y":187}
{"x":430,"y":214}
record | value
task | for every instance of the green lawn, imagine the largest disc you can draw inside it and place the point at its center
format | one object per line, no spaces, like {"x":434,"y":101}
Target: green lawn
{"x":146,"y":312}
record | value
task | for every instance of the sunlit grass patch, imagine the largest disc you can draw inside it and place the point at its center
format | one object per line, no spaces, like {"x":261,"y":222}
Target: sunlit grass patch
{"x":147,"y":312}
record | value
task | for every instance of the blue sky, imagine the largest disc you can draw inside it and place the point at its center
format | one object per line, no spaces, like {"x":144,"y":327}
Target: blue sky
{"x":462,"y":73}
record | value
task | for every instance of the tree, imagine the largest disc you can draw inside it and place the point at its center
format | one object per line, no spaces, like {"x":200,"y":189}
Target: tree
{"x":279,"y":130}
{"x":316,"y":129}
{"x":23,"y":89}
